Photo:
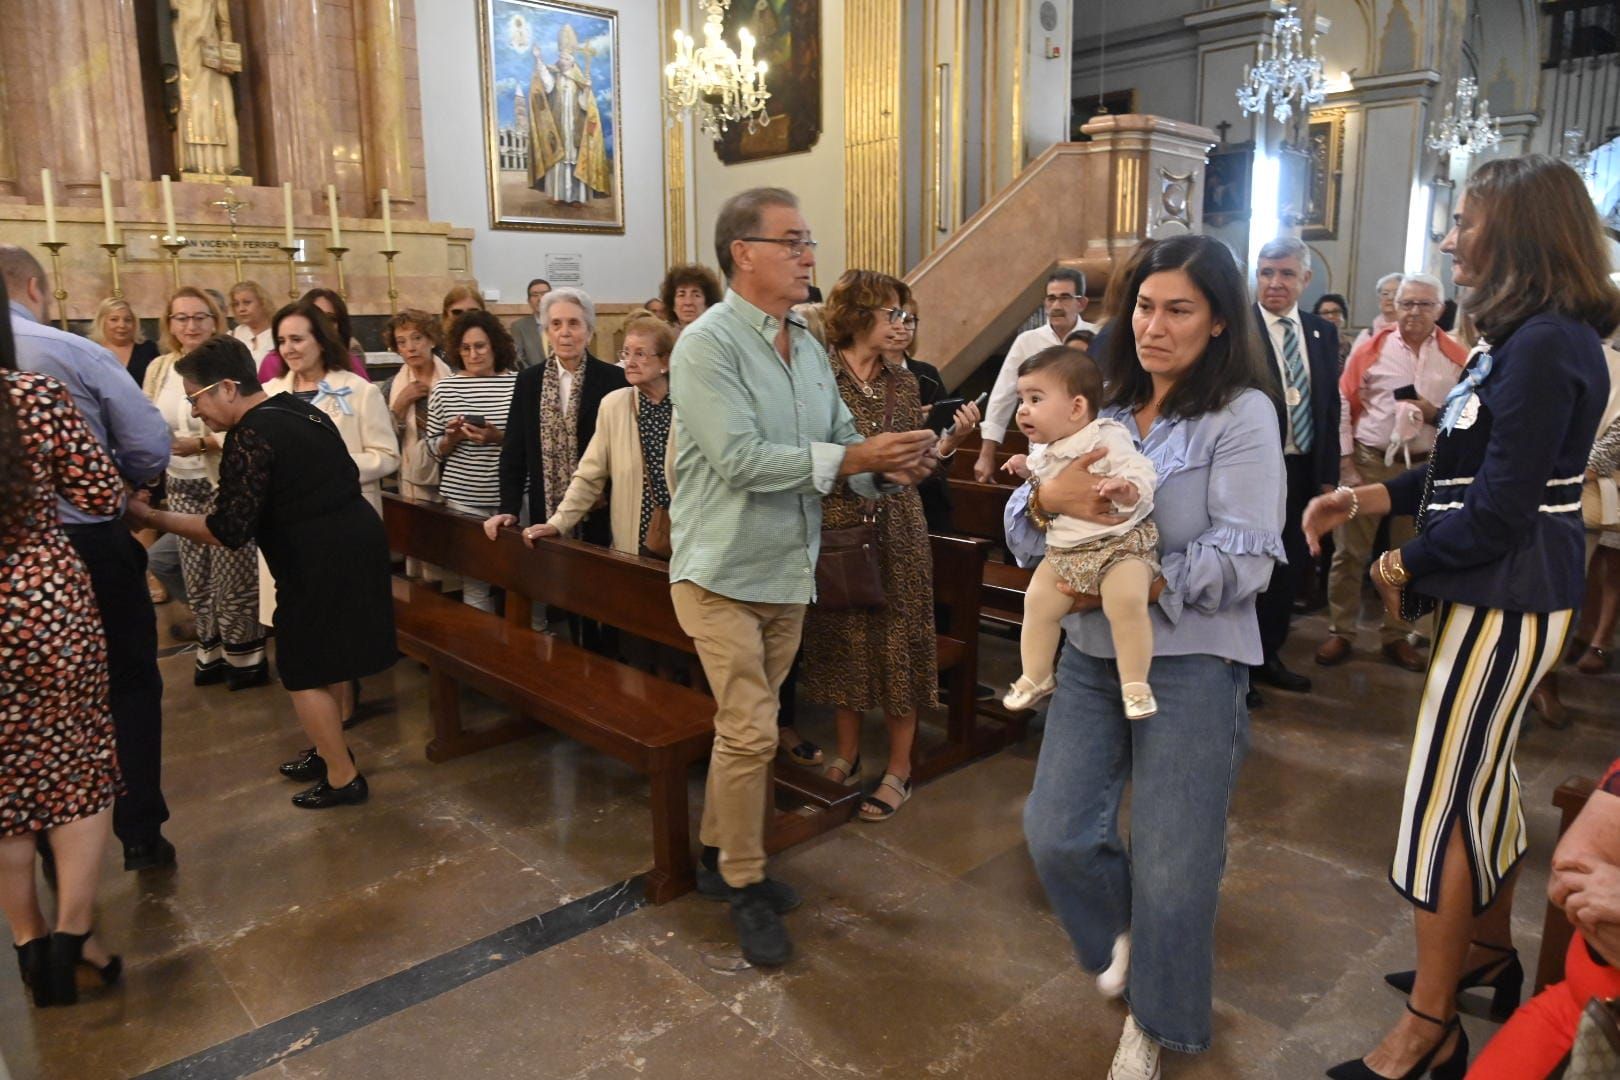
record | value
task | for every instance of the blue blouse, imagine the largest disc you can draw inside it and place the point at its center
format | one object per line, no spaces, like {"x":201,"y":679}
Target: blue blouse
{"x":1219,"y":509}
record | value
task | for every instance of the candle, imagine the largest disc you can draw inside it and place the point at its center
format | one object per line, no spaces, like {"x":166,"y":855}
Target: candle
{"x":287,"y":213}
{"x":107,"y":208}
{"x":173,"y":231}
{"x":331,"y":201}
{"x":50,"y":205}
{"x":388,"y":222}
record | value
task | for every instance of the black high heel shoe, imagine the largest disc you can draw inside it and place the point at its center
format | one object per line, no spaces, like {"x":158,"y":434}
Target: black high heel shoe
{"x":34,"y":962}
{"x":67,"y":956}
{"x":1454,"y":1067}
{"x":1506,"y":984}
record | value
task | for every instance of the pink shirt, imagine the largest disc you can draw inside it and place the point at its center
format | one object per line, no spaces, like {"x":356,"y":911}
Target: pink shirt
{"x":1397,"y":366}
{"x":1378,"y":323}
{"x":274,"y":367}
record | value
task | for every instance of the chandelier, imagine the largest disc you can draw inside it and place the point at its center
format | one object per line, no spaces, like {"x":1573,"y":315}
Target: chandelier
{"x":1577,"y":155}
{"x":1464,"y":129}
{"x":1293,"y":70}
{"x":720,"y":86}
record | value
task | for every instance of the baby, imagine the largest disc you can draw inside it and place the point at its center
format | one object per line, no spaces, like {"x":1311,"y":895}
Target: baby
{"x":1059,"y":390}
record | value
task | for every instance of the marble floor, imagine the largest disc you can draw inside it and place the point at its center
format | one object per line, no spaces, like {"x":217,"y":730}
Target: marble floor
{"x":925,"y":946}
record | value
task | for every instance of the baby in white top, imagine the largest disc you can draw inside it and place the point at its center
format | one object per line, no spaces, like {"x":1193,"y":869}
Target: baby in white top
{"x":1059,"y":390}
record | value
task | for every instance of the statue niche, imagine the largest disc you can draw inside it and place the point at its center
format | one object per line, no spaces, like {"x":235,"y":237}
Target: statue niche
{"x":199,"y":58}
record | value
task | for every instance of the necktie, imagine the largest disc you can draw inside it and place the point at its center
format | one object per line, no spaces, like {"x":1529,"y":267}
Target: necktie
{"x":1298,"y":390}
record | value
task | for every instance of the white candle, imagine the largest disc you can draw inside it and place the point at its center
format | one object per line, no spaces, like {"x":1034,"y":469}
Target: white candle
{"x":388,"y":222}
{"x":331,"y":201}
{"x":173,"y":232}
{"x":50,"y":205}
{"x":107,"y":208}
{"x":287,"y":213}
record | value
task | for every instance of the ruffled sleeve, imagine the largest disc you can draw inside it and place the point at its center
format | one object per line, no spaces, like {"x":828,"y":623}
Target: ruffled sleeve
{"x":1231,"y":561}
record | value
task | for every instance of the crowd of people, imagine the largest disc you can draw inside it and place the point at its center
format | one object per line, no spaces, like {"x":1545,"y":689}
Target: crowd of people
{"x":1193,"y":456}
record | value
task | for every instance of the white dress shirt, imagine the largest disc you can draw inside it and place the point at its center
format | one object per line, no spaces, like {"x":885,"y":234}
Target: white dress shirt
{"x":1274,"y":327}
{"x":998,"y":413}
{"x":258,"y":344}
{"x":565,"y":384}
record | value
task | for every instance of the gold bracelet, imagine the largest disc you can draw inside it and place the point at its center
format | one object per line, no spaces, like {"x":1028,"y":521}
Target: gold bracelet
{"x":1038,"y":517}
{"x":1392,"y":569}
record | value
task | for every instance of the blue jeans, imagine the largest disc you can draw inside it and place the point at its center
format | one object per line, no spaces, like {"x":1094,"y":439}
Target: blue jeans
{"x":1181,"y":765}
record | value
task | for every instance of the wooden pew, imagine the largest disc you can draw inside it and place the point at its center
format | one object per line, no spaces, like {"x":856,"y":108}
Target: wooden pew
{"x":656,"y":727}
{"x":1556,"y":931}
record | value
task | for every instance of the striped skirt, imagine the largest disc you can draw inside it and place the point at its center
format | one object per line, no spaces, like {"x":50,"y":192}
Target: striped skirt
{"x":1485,"y":664}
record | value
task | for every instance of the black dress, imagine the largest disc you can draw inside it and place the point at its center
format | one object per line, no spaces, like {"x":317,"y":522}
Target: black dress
{"x":287,"y":482}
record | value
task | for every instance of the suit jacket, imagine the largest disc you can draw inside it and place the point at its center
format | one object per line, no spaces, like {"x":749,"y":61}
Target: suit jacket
{"x":531,"y":344}
{"x":1321,"y":340}
{"x":521,"y":469}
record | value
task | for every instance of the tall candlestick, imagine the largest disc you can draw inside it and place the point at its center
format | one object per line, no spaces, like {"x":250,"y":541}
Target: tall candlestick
{"x":168,"y":208}
{"x":287,"y":213}
{"x":107,"y":208}
{"x":49,"y":187}
{"x":331,"y":202}
{"x":388,"y":221}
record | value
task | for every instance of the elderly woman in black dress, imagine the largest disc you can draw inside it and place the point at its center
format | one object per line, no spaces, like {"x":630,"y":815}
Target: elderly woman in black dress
{"x":286,"y":480}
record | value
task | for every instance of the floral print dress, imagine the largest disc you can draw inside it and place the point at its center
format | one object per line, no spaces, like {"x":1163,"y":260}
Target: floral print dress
{"x":58,"y":761}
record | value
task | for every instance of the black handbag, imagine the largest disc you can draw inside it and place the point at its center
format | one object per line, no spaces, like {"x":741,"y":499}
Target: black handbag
{"x":849,"y":576}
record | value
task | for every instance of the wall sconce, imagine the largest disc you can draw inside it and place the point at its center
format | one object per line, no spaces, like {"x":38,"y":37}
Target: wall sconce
{"x":1440,"y":203}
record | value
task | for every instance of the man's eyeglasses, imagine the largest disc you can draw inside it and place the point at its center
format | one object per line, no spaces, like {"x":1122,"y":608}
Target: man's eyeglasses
{"x":184,"y":319}
{"x":1417,"y":305}
{"x":796,"y":245}
{"x":899,"y":316}
{"x":1060,"y":298}
{"x":191,"y":399}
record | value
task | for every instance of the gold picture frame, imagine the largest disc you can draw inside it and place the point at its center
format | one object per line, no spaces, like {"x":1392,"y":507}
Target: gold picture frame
{"x":1324,"y":176}
{"x":542,"y":63}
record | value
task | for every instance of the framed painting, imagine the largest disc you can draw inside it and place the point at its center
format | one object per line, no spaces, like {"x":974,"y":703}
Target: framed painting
{"x":550,"y":75}
{"x":1324,"y":145}
{"x":1226,"y":183}
{"x":787,"y":36}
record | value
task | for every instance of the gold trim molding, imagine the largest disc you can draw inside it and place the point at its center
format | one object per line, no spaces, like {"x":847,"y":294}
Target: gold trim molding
{"x":872,"y":218}
{"x":675,"y":246}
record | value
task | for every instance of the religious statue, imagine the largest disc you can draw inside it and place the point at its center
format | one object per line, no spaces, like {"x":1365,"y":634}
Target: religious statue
{"x":199,"y":59}
{"x":568,"y":150}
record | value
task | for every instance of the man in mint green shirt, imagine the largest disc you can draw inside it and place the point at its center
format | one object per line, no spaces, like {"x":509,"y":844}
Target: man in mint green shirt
{"x":761,"y":436}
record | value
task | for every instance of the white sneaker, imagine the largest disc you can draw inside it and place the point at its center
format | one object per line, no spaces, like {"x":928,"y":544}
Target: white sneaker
{"x":1025,"y":693}
{"x":1137,"y":1057}
{"x":1139,"y":701}
{"x":1113,"y":978}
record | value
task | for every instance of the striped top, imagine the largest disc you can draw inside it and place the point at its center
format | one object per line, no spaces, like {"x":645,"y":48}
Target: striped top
{"x":471,"y":471}
{"x":759,"y":442}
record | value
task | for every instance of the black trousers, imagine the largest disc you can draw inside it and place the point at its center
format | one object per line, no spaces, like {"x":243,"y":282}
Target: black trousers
{"x":1275,"y":606}
{"x":117,"y":565}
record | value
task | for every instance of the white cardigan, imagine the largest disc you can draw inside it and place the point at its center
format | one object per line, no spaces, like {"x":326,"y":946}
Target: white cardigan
{"x":613,"y":456}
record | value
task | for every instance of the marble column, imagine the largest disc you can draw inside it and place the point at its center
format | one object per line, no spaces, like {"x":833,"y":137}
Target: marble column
{"x":115,"y":52}
{"x":379,"y":44}
{"x":287,"y":59}
{"x":8,"y":155}
{"x":70,"y":97}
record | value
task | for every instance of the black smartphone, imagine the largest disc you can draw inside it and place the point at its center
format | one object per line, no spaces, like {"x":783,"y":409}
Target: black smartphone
{"x":942,"y":412}
{"x":473,"y":420}
{"x":1406,"y":393}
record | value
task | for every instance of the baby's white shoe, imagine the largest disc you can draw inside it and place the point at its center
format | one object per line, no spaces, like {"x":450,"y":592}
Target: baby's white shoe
{"x":1139,"y":701}
{"x":1025,"y":693}
{"x":1111,"y":981}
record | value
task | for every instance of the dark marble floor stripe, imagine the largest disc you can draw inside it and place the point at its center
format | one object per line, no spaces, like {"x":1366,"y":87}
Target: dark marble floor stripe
{"x":263,"y":1047}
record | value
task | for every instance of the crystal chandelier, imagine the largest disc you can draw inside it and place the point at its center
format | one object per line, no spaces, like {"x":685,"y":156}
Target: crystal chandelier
{"x":1577,"y":155}
{"x":1293,"y":70}
{"x":720,"y":86}
{"x":1464,"y":129}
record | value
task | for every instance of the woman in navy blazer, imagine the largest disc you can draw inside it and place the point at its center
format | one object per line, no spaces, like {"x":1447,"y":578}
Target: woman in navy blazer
{"x":1500,"y":549}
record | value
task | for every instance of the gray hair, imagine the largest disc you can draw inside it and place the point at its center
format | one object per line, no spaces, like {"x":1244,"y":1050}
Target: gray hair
{"x":1287,"y":247}
{"x":1427,"y":280}
{"x":740,"y":216}
{"x":573,"y":296}
{"x":1396,"y":278}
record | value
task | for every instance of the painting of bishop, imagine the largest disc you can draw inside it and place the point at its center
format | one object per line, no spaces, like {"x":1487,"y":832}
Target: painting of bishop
{"x":552,"y":76}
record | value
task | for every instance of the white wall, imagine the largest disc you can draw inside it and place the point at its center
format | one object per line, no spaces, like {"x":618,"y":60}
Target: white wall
{"x":625,"y":267}
{"x":1046,"y":81}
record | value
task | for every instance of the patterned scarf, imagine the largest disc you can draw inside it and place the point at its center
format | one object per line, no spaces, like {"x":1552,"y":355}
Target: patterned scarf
{"x":559,"y":433}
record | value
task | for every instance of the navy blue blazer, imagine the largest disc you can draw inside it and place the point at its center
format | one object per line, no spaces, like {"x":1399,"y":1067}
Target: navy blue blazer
{"x":1322,"y":354}
{"x":1502,"y":527}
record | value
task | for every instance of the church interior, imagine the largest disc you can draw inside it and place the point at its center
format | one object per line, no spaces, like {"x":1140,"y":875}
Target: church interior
{"x":499,"y":907}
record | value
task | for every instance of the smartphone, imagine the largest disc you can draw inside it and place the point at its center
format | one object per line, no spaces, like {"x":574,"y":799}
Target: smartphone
{"x":473,"y":420}
{"x":981,"y":401}
{"x":1406,"y":393}
{"x":941,"y":413}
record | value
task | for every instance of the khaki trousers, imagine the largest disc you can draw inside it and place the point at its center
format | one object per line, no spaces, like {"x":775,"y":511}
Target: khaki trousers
{"x":746,"y":650}
{"x":1353,"y":544}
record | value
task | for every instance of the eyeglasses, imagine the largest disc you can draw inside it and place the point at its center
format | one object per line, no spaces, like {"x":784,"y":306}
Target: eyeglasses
{"x":1060,"y":298}
{"x":796,"y":245}
{"x":627,"y":355}
{"x":1417,"y":305}
{"x":184,"y":319}
{"x":191,"y":399}
{"x":899,"y":316}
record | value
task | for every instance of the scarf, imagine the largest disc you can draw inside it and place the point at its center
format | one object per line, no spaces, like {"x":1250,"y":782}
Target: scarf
{"x":1367,"y":355}
{"x":559,"y":433}
{"x":415,"y":425}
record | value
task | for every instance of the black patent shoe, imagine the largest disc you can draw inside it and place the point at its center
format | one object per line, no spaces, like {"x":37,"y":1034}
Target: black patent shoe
{"x":307,"y":767}
{"x":1454,"y":1067}
{"x":243,"y":678}
{"x":323,"y":795}
{"x":1504,"y":977}
{"x":34,"y":962}
{"x":210,"y":674}
{"x":67,"y":957}
{"x":153,"y":856}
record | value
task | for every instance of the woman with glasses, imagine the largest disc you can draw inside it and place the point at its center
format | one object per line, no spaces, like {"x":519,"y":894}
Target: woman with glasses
{"x":457,"y":302}
{"x":222,"y":585}
{"x":1336,"y":310}
{"x":935,"y":491}
{"x":885,"y":658}
{"x":633,"y":450}
{"x":116,"y":329}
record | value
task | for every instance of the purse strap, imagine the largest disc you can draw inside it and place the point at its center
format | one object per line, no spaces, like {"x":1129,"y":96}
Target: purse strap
{"x":869,"y":507}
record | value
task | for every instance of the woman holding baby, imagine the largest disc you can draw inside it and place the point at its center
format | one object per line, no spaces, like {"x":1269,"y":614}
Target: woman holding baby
{"x":1187,"y":397}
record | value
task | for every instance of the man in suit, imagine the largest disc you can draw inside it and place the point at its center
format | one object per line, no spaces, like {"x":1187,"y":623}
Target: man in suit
{"x":528,"y":334}
{"x":1304,"y":369}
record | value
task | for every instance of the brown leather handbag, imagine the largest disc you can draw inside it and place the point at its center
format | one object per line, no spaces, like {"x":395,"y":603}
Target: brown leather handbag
{"x":656,"y":544}
{"x":849,"y":576}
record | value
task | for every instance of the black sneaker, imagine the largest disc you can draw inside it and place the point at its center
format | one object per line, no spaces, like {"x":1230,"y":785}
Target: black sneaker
{"x":153,"y":856}
{"x":760,"y":932}
{"x":324,"y":796}
{"x":782,"y":896}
